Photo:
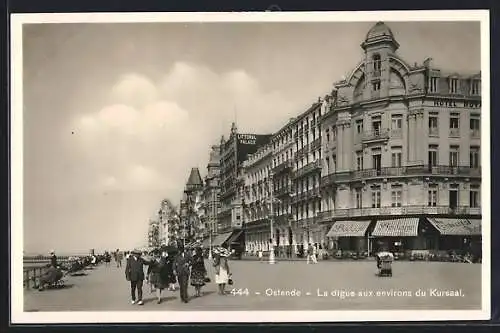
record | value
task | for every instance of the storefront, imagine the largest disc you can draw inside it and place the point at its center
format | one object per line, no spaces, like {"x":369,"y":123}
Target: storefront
{"x":349,"y":235}
{"x":397,"y":235}
{"x":459,"y":235}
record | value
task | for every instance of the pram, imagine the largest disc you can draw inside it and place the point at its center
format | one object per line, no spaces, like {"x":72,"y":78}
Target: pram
{"x":384,"y":263}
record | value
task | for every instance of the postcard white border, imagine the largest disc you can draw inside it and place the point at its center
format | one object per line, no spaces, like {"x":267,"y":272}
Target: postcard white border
{"x":20,"y":317}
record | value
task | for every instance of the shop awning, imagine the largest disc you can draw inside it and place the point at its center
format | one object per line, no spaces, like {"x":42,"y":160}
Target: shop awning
{"x":452,"y":227}
{"x":403,"y":227}
{"x":234,"y":236}
{"x":476,"y":226}
{"x":221,"y":238}
{"x":348,"y":229}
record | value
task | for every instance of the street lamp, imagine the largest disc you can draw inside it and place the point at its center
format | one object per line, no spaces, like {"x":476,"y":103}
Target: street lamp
{"x":211,"y":226}
{"x":272,"y":259}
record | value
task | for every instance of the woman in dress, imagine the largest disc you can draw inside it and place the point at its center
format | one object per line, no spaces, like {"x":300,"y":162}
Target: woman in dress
{"x":222,"y":272}
{"x":160,"y":274}
{"x":198,"y":271}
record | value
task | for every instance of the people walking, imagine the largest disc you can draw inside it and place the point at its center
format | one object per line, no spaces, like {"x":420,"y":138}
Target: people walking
{"x":198,"y":271}
{"x":160,"y":273}
{"x":118,"y":258}
{"x":182,"y":266}
{"x":314,"y":256}
{"x":309,"y":253}
{"x":134,"y":272}
{"x":222,"y":272}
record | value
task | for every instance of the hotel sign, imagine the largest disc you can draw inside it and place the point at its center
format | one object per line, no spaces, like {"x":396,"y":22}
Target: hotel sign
{"x":456,"y":104}
{"x":247,"y":139}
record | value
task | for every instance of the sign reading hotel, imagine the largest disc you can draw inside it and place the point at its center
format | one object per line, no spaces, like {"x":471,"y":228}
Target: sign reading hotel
{"x":449,"y":103}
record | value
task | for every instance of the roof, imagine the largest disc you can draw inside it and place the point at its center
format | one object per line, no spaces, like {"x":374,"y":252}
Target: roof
{"x":194,"y":178}
{"x":380,"y":29}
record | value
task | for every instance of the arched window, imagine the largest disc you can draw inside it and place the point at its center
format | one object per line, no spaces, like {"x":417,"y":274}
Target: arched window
{"x":376,"y":62}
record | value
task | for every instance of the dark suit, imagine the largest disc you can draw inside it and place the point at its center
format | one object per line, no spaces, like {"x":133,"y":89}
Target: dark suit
{"x":182,"y":270}
{"x":134,"y":272}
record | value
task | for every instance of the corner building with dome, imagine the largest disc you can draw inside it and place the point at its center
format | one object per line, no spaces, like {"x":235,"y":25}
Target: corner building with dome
{"x":401,"y":157}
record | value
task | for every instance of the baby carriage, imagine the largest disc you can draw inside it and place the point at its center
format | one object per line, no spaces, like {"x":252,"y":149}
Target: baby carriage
{"x":384,"y":263}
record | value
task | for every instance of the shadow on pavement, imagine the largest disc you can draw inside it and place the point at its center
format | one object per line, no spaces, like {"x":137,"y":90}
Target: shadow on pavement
{"x":154,"y":299}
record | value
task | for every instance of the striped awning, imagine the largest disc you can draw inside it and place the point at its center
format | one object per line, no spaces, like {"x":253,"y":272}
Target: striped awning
{"x":454,"y":227}
{"x":476,"y":226}
{"x":348,"y":229}
{"x":234,"y":236}
{"x":221,"y":239}
{"x":403,"y":227}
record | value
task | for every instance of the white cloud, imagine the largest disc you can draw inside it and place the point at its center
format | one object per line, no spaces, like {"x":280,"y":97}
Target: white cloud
{"x":151,"y":135}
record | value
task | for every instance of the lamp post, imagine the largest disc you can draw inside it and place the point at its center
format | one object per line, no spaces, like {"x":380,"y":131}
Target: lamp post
{"x":272,"y":259}
{"x":211,"y":226}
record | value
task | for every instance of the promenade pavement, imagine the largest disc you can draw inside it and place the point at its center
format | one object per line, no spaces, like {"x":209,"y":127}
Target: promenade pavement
{"x":323,"y":286}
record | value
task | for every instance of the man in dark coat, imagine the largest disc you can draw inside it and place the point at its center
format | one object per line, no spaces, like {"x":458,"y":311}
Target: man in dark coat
{"x":134,"y":272}
{"x":53,"y":258}
{"x":182,"y":268}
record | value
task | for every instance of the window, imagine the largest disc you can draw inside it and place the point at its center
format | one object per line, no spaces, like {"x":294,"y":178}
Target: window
{"x":376,"y":85}
{"x":376,"y":197}
{"x":475,"y":126}
{"x":433,"y":125}
{"x":453,"y":85}
{"x":334,"y":163}
{"x":433,"y":156}
{"x":474,"y":197}
{"x":377,"y":64}
{"x":327,"y":135}
{"x":433,"y":84}
{"x":376,"y":160}
{"x":475,"y":162}
{"x":454,"y":124}
{"x":454,"y":154}
{"x":359,"y":198}
{"x":397,"y":122}
{"x":327,"y":160}
{"x":396,"y":197}
{"x":359,"y":160}
{"x":376,"y":126}
{"x":476,"y":87}
{"x":432,"y":196}
{"x":359,"y":126}
{"x":396,"y":158}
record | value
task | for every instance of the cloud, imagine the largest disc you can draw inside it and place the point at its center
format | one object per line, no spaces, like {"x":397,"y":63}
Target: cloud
{"x":152,"y":133}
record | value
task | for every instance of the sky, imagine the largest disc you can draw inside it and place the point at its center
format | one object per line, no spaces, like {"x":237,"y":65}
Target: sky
{"x":116,"y":115}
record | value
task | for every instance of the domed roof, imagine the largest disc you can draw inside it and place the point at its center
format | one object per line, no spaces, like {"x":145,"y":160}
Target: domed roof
{"x":380,"y":32}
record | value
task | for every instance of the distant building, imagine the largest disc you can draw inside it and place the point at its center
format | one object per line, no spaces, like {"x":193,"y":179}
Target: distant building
{"x":233,"y":152}
{"x":169,"y":222}
{"x":190,"y":206}
{"x":401,"y":154}
{"x":210,"y":196}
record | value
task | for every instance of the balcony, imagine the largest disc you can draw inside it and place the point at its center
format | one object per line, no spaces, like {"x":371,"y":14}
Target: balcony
{"x":316,"y":144}
{"x":287,"y":165}
{"x":396,"y":133}
{"x":375,"y":136}
{"x":455,"y":132}
{"x":405,"y":210}
{"x":336,"y":177}
{"x":282,"y":191}
{"x":475,"y":133}
{"x":316,"y":165}
{"x":433,"y":131}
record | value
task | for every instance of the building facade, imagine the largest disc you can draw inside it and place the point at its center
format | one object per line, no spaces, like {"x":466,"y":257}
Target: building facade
{"x":257,"y":200}
{"x":233,"y":152}
{"x":306,"y":178}
{"x":190,"y":207}
{"x":211,"y":192}
{"x":169,"y":222}
{"x":401,"y":153}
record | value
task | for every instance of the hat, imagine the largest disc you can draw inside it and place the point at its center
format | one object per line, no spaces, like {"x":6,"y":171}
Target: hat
{"x":52,"y":252}
{"x":135,"y":251}
{"x":223,"y":252}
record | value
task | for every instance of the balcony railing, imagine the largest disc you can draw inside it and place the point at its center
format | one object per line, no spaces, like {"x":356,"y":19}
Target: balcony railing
{"x":417,"y":170}
{"x":396,"y":133}
{"x":287,"y":165}
{"x":376,"y":135}
{"x":316,"y":165}
{"x":282,"y":191}
{"x":316,"y":144}
{"x":433,"y":131}
{"x":475,"y":134}
{"x":455,"y":132}
{"x":405,"y":210}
